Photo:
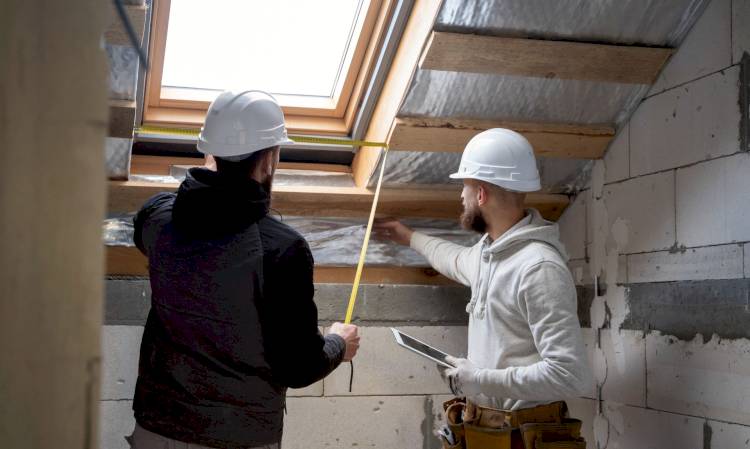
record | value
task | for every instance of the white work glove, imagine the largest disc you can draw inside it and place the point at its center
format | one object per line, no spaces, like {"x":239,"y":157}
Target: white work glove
{"x":463,"y":378}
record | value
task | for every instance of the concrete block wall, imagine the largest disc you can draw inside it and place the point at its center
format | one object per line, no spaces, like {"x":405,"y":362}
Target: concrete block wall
{"x":663,"y":232}
{"x":396,"y":395}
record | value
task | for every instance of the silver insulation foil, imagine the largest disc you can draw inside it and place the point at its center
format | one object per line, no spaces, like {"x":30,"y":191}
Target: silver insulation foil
{"x":289,"y":177}
{"x":500,"y":97}
{"x":333,"y":241}
{"x":282,"y":177}
{"x":123,"y":71}
{"x":419,"y":169}
{"x":117,"y":157}
{"x":512,"y":98}
{"x":646,"y":22}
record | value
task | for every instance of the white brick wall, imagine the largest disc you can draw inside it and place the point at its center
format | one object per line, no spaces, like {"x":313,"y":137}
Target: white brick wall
{"x":120,"y":346}
{"x":709,"y":379}
{"x":695,"y":122}
{"x":647,"y":205}
{"x":384,"y":368}
{"x":115,"y":423}
{"x":674,"y":176}
{"x":706,"y":49}
{"x":713,"y":202}
{"x":573,"y":228}
{"x":372,"y":421}
{"x":638,"y":428}
{"x":729,"y":436}
{"x":617,"y":158}
{"x":392,"y":388}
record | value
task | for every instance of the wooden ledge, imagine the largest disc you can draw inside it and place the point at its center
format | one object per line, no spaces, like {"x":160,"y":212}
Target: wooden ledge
{"x":128,"y":261}
{"x":128,"y":196}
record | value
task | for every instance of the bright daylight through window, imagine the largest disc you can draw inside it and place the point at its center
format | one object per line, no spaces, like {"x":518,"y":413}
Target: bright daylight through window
{"x":285,"y":47}
{"x":312,"y":55}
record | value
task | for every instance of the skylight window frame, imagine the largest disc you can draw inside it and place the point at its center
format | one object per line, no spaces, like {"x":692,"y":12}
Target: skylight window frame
{"x":304,"y":115}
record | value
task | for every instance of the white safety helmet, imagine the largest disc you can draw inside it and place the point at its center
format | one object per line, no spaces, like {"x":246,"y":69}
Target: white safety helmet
{"x":501,"y":157}
{"x":239,"y":124}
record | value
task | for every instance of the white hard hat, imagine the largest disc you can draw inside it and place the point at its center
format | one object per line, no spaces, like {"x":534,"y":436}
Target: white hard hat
{"x":501,"y":157}
{"x":239,"y":124}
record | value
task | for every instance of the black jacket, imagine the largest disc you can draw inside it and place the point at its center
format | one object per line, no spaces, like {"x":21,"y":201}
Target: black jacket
{"x":232,"y":321}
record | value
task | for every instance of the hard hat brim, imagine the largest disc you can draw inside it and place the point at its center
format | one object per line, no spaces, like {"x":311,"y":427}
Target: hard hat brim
{"x":514,"y":186}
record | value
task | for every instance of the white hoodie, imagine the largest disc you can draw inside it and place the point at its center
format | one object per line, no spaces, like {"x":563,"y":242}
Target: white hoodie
{"x":524,"y":332}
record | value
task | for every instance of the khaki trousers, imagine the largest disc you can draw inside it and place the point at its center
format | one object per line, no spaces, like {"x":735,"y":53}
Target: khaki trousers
{"x":144,"y":439}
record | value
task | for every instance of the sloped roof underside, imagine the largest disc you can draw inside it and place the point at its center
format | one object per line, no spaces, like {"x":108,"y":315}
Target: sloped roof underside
{"x":482,"y":96}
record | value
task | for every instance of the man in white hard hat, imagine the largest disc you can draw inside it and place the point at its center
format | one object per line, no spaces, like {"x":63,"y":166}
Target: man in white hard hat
{"x":526,"y":351}
{"x":232,"y":322}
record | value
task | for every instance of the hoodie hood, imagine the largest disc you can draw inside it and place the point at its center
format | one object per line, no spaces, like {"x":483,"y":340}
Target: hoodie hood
{"x":536,"y":229}
{"x":208,"y":204}
{"x":532,"y":228}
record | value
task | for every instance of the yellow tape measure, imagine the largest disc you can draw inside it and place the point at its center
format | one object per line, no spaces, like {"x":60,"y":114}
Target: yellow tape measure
{"x":363,"y":252}
{"x":192,"y":132}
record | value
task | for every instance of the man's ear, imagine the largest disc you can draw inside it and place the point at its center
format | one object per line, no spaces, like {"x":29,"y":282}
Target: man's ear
{"x":482,"y":196}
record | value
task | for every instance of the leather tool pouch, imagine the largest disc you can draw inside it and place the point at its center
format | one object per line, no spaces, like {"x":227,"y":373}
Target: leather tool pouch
{"x":549,"y":434}
{"x":454,"y":417}
{"x":486,"y":437}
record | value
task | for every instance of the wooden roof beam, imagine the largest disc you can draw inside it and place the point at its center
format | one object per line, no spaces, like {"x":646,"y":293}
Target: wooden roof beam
{"x":128,"y":196}
{"x":548,"y":140}
{"x":456,"y":52}
{"x":128,"y":261}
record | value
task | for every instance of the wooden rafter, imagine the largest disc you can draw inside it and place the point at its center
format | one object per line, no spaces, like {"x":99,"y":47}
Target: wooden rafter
{"x":404,"y":65}
{"x":121,"y":118}
{"x":457,"y":52}
{"x":452,"y":135}
{"x":128,"y":261}
{"x":128,"y":196}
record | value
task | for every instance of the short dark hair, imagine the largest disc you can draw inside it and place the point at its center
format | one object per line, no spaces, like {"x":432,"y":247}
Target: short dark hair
{"x":241,"y":169}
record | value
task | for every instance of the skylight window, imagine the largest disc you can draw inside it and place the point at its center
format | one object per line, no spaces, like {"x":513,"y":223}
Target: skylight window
{"x":286,"y":47}
{"x":312,"y":55}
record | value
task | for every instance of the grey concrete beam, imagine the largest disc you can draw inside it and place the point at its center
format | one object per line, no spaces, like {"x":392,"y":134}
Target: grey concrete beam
{"x":687,"y":308}
{"x":128,"y":302}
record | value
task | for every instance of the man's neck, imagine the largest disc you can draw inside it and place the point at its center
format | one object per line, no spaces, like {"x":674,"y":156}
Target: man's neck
{"x":501,"y":221}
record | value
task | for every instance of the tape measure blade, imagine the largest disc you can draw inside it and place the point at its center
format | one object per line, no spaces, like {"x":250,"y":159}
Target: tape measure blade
{"x":365,"y":244}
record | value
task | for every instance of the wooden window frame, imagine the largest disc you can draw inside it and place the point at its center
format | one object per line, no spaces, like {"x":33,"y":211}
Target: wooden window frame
{"x":333,"y":116}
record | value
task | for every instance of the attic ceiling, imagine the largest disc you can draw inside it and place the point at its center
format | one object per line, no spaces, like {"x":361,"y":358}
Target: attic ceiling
{"x":541,"y":98}
{"x":567,"y":74}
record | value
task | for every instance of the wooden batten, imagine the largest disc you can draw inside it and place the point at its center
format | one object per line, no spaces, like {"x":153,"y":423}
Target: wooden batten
{"x":129,"y":261}
{"x":121,"y":118}
{"x":128,"y":196}
{"x":458,"y":52}
{"x":549,"y":140}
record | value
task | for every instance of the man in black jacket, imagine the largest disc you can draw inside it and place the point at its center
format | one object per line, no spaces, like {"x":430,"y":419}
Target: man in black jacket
{"x":232,"y":323}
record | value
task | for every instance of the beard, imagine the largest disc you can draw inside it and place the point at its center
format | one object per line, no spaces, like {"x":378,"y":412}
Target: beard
{"x":472,"y":220}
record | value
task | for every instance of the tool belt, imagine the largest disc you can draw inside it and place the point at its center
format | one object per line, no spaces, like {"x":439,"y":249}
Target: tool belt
{"x":543,"y":427}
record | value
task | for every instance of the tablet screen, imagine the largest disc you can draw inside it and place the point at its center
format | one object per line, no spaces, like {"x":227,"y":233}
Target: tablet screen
{"x":420,"y":347}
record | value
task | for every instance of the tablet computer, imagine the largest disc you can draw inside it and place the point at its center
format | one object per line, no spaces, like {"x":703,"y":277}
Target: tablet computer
{"x":421,"y":348}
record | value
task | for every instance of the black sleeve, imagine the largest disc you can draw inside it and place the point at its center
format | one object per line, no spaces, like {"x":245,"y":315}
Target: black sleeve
{"x":298,"y":353}
{"x":154,"y":203}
